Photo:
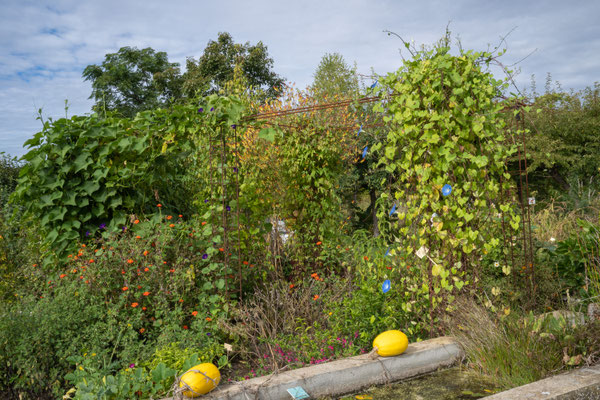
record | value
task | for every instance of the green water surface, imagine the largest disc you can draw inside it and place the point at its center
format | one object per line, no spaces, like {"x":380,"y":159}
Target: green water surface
{"x":450,"y":384}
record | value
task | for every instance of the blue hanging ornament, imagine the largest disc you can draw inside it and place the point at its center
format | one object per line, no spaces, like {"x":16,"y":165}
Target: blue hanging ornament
{"x":393,"y":210}
{"x":365,"y":152}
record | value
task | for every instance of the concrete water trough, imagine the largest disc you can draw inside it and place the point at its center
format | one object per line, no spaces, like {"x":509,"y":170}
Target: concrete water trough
{"x":348,"y":375}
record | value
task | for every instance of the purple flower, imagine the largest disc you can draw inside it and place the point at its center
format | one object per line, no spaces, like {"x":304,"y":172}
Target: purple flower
{"x":131,"y":365}
{"x":233,"y":126}
{"x":212,"y":109}
{"x":200,"y":109}
{"x":206,"y":201}
{"x":87,"y":233}
{"x":102,"y":225}
{"x":235,"y":169}
{"x":204,"y":256}
{"x":208,"y":333}
{"x":228,"y":208}
{"x":124,"y":228}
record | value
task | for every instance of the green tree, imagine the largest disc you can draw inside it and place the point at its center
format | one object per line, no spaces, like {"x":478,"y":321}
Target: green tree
{"x":564,"y":143}
{"x":215,"y":67}
{"x":133,"y":80}
{"x":334,"y":77}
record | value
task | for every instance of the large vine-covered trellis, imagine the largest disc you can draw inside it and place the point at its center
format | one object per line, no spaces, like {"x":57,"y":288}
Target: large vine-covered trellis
{"x":509,"y":207}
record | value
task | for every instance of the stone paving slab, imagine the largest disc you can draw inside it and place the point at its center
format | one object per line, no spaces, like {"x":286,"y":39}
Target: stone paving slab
{"x":580,"y":384}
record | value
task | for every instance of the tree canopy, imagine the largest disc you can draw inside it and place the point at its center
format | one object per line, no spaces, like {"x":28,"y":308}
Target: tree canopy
{"x":216,"y":67}
{"x":334,"y":77}
{"x":133,"y":80}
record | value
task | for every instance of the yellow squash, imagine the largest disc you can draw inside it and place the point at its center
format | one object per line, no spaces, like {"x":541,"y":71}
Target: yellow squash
{"x":200,"y":380}
{"x":390,"y":343}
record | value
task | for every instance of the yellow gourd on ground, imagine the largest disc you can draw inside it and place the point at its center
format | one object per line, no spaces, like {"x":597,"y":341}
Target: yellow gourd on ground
{"x":390,"y":343}
{"x":200,"y":380}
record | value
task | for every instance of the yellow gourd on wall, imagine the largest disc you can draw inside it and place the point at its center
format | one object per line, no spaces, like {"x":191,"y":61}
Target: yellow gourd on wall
{"x":390,"y":343}
{"x":200,"y":380}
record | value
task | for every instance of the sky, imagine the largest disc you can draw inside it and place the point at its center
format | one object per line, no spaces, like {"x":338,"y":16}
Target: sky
{"x":45,"y":45}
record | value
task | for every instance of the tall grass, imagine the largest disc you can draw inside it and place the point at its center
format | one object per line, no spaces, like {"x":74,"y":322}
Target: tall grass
{"x":512,"y":352}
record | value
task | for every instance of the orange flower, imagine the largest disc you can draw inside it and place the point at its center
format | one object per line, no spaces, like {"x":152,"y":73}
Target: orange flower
{"x":159,"y":205}
{"x":181,"y":300}
{"x":62,"y":276}
{"x":142,"y":330}
{"x":203,"y":223}
{"x":171,"y":270}
{"x":138,"y":237}
{"x":139,"y":287}
{"x":366,"y":258}
{"x":185,"y":327}
{"x":134,"y":305}
{"x":130,"y":261}
{"x":123,"y":271}
{"x":137,"y":221}
{"x":91,"y":261}
{"x":318,"y":243}
{"x":171,"y":225}
{"x":146,"y":269}
{"x":169,"y":217}
{"x":145,"y":252}
{"x":87,"y":281}
{"x":180,"y":216}
{"x":125,"y":288}
{"x":315,"y":297}
{"x":208,"y":319}
{"x":291,"y":285}
{"x":221,"y":249}
{"x":194,"y":313}
{"x":144,"y":308}
{"x":83,"y":245}
{"x":146,"y":293}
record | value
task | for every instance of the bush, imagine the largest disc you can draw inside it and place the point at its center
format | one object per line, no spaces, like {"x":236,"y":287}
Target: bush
{"x":87,"y":172}
{"x":9,"y":172}
{"x":516,"y":350}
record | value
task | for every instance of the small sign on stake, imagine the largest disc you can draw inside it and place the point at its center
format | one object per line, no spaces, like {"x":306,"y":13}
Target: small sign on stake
{"x":531,"y":201}
{"x":298,"y":393}
{"x":422,"y":252}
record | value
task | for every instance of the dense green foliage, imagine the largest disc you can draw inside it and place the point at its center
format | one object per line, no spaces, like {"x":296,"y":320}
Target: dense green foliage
{"x":86,"y":174}
{"x":334,"y":77}
{"x":9,"y":172}
{"x":133,"y":80}
{"x":215,"y":67}
{"x":563,"y":144}
{"x":135,"y":247}
{"x":446,"y":151}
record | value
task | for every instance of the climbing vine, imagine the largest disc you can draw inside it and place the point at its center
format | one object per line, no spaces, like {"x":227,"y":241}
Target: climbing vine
{"x":447,"y":153}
